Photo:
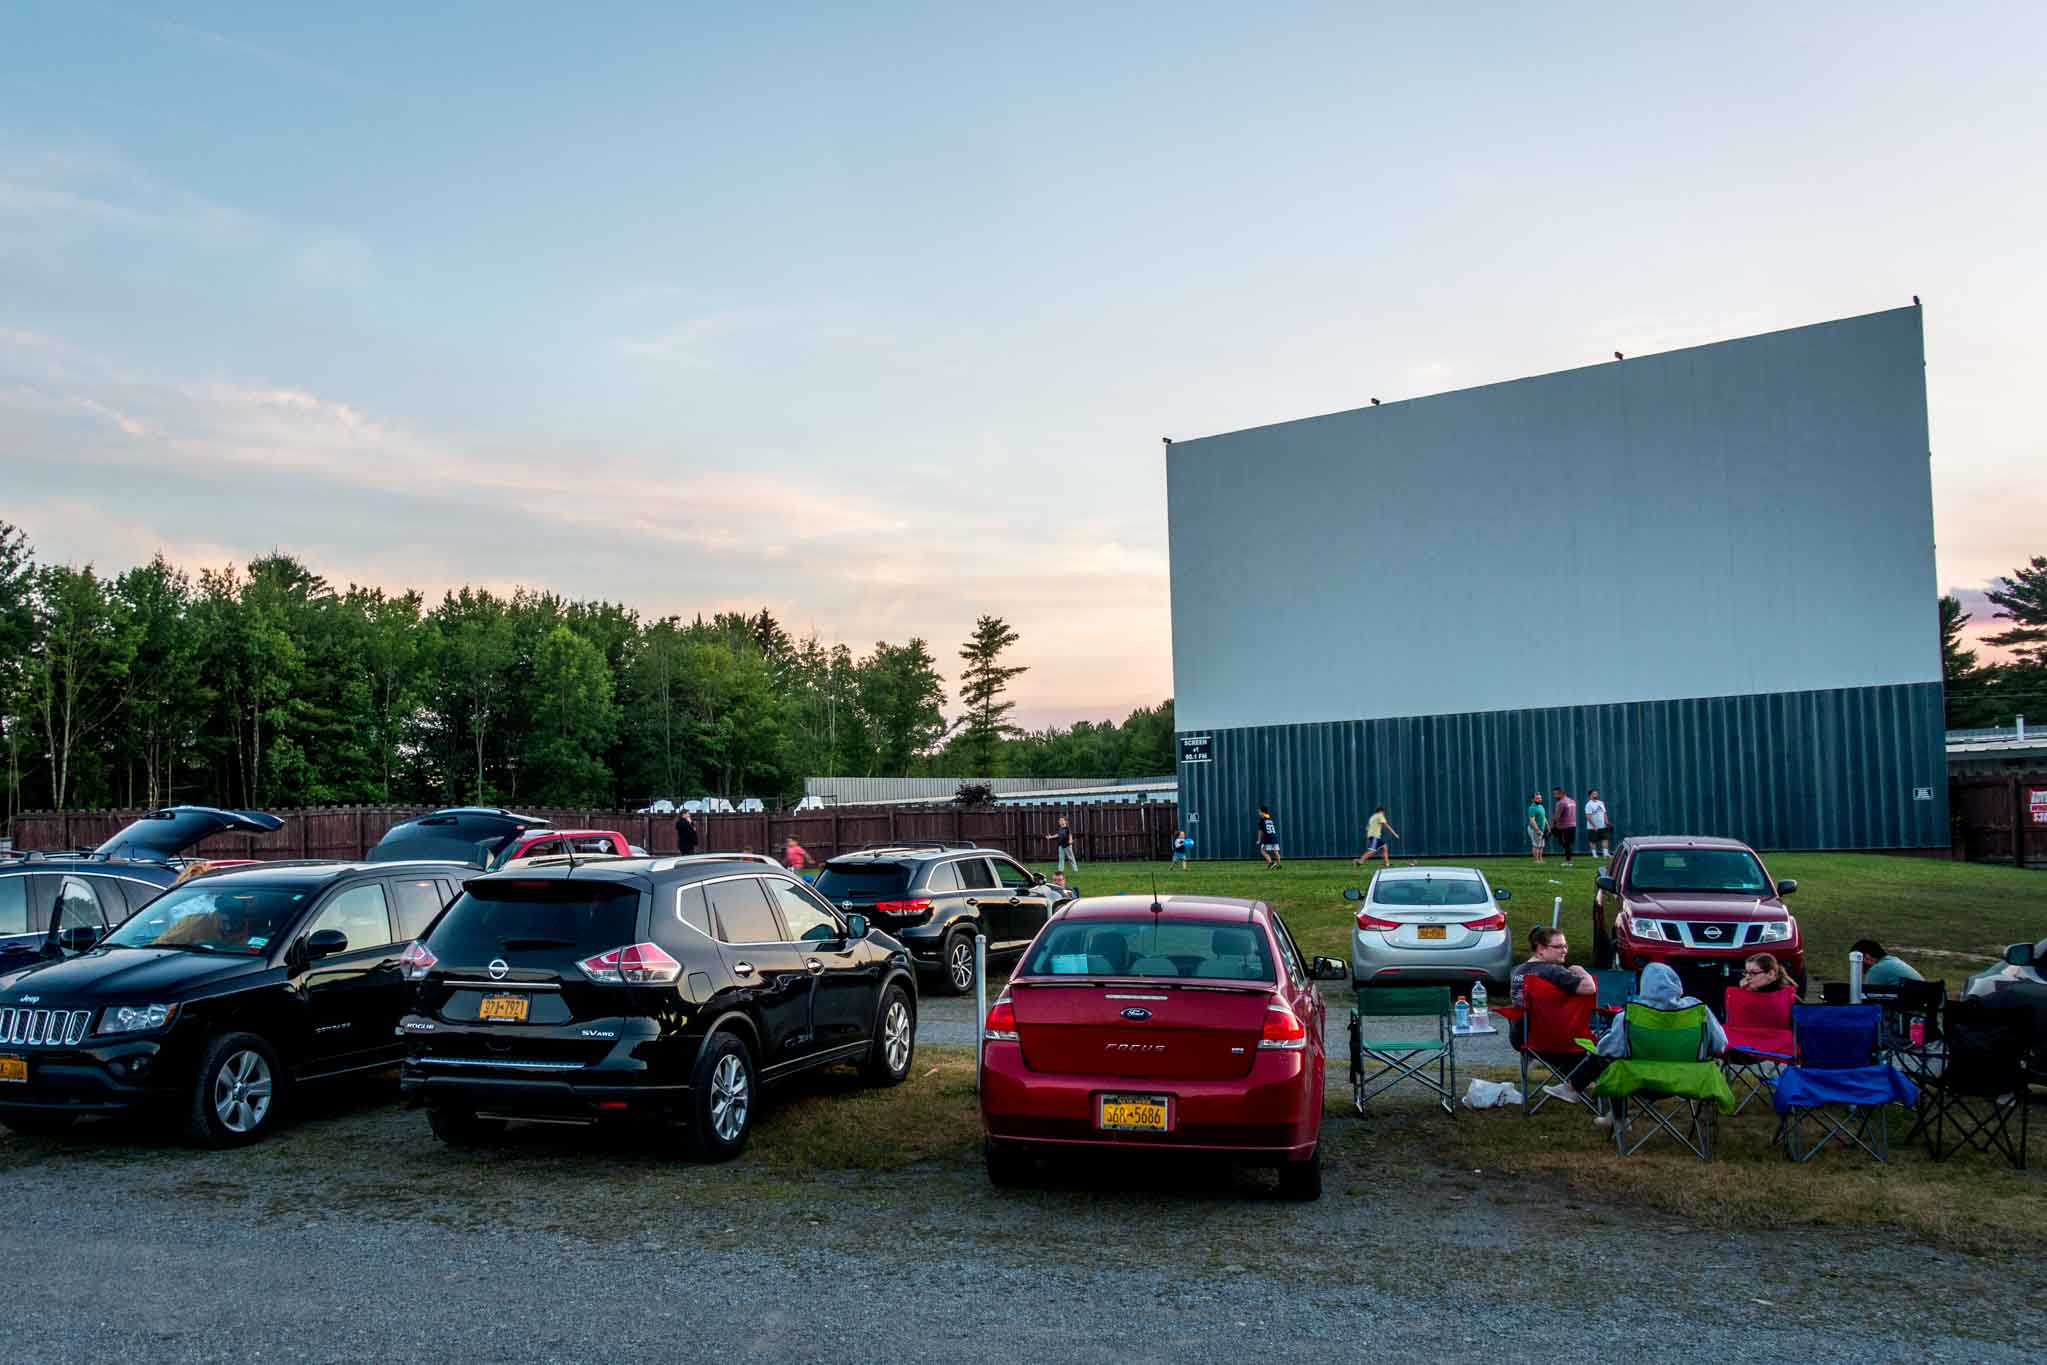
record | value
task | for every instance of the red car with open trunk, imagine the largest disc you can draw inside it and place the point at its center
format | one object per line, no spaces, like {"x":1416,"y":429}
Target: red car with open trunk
{"x":1188,"y":1023}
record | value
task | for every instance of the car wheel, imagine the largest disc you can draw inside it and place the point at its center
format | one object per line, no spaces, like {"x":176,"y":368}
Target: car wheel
{"x":38,"y":1125}
{"x":1008,"y":1169}
{"x":463,"y":1128}
{"x":1302,"y":1180}
{"x":956,"y":965}
{"x":235,"y":1091}
{"x":1799,"y":977}
{"x":895,"y":1041}
{"x":723,"y":1089}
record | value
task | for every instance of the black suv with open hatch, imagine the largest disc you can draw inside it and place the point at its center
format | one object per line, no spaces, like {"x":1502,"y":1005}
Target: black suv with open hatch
{"x":218,"y":997}
{"x":937,"y":897}
{"x":659,"y":989}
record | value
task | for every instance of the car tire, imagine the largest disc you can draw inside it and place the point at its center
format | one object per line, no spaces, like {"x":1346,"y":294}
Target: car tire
{"x":1301,"y":1181}
{"x":956,"y":964}
{"x":463,"y":1128}
{"x":1008,"y":1168}
{"x":724,"y":1090}
{"x":895,"y":1040}
{"x":236,"y":1091}
{"x":38,"y":1125}
{"x":1798,"y":977}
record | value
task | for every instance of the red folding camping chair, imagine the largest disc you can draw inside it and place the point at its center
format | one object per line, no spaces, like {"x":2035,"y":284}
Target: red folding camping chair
{"x":1759,"y":1042}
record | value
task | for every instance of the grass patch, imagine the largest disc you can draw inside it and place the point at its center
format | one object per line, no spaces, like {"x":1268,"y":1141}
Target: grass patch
{"x":1969,"y":1202}
{"x":836,"y":1122}
{"x":1948,"y":919}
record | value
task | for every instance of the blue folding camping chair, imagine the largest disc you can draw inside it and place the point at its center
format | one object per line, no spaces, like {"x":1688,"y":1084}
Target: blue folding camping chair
{"x":1837,"y":1082}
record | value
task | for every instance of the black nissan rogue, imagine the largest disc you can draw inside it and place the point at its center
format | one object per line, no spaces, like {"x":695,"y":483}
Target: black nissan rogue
{"x":218,"y":997}
{"x":660,"y":989}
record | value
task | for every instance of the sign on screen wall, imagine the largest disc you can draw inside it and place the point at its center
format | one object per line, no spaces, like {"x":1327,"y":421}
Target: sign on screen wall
{"x":2036,"y":802}
{"x":1195,"y":749}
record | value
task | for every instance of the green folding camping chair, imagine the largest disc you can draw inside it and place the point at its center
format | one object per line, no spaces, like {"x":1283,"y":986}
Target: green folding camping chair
{"x":1404,"y":1059}
{"x":1666,"y":1083}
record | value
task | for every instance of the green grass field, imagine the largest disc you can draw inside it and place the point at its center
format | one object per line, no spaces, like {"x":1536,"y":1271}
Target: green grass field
{"x":1947,"y":919}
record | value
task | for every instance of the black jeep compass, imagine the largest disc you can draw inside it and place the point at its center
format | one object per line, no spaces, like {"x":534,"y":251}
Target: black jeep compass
{"x":665,"y":989}
{"x":218,"y":997}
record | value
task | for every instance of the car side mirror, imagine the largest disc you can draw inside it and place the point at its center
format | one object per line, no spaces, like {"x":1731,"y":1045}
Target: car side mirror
{"x":2019,"y":955}
{"x":1787,"y":886}
{"x":325,"y":943}
{"x":1351,"y":893}
{"x":856,"y":926}
{"x":1604,"y":881}
{"x":1329,"y":969}
{"x":78,"y":938}
{"x":1037,"y":879}
{"x":1501,"y":893}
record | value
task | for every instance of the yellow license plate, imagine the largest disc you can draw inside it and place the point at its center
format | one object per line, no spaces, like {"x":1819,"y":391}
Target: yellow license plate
{"x":510,"y":1008}
{"x":1145,"y":1115}
{"x":13,"y":1068}
{"x":1436,"y":931}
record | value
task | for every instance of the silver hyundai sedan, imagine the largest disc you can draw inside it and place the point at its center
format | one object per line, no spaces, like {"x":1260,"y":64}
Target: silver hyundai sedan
{"x":1430,"y":924}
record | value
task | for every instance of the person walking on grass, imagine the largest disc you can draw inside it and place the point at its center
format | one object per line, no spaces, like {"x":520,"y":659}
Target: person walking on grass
{"x":1598,"y":826}
{"x":1537,"y":827}
{"x":1563,"y":825}
{"x":1377,"y":829}
{"x":1062,"y":838}
{"x":1265,"y":832}
{"x":1182,"y":848}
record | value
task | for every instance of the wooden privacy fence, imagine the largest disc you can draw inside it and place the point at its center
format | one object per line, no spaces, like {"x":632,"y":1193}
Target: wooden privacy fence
{"x":1101,"y":833}
{"x":2001,"y":819}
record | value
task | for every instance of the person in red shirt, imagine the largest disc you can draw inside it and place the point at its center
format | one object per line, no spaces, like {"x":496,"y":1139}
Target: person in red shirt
{"x":794,"y":856}
{"x":1563,"y":823}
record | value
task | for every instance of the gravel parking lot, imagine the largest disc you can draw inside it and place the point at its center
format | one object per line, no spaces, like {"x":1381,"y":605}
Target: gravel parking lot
{"x":353,"y":1235}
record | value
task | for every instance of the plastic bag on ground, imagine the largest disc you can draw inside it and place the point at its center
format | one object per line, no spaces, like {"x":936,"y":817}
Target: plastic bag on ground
{"x":1491,"y":1095}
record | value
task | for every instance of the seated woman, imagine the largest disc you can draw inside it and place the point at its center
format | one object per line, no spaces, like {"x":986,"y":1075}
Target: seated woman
{"x":1662,"y":990}
{"x":1763,"y":973}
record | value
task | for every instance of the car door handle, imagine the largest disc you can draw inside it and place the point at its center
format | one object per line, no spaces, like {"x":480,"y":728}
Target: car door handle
{"x":1015,"y":900}
{"x":742,"y":969}
{"x":972,"y":901}
{"x":814,"y":965}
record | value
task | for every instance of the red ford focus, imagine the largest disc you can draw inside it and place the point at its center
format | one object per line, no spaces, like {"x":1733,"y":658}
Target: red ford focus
{"x":1191,"y":1023}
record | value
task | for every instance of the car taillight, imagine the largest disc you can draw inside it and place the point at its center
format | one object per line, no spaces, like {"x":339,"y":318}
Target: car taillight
{"x":1495,"y":920}
{"x":1001,"y":1026}
{"x":1368,"y":920}
{"x":638,"y":964}
{"x":902,"y":907}
{"x":1282,"y":1029}
{"x":416,"y":961}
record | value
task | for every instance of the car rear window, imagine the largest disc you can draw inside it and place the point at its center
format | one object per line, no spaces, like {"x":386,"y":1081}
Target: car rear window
{"x":1422,"y":892}
{"x":536,"y":922}
{"x":1698,"y":869}
{"x":863,"y":881}
{"x":1154,"y":946}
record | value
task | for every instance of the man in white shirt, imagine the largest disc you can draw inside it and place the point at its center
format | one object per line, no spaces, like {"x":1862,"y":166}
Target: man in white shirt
{"x":1598,"y":828}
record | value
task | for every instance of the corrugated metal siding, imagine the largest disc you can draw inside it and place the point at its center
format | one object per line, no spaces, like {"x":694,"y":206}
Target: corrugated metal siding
{"x":1798,"y":770}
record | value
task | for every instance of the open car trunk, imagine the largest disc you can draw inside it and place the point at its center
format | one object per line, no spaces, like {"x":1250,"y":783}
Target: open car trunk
{"x":166,"y":833}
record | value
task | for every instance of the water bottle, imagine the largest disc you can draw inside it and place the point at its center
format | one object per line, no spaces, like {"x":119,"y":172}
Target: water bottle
{"x":1479,"y":1018}
{"x":1460,"y":1018}
{"x":1918,"y":1033}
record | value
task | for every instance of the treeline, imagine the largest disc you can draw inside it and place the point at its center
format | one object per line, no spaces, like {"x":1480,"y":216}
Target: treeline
{"x":268,"y":686}
{"x":1980,"y":694}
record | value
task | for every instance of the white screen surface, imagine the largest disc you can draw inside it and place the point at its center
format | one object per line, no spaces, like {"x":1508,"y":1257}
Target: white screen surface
{"x":1749,"y":517}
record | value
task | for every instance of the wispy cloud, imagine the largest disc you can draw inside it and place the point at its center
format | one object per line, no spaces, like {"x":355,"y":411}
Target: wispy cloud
{"x":282,"y":63}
